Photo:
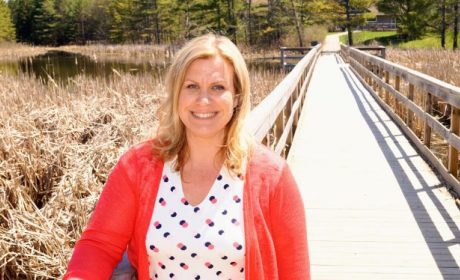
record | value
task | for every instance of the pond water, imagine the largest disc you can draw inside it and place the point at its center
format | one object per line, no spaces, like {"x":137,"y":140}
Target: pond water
{"x":61,"y":66}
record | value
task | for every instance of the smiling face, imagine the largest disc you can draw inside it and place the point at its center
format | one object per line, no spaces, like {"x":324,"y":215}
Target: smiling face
{"x":207,"y":98}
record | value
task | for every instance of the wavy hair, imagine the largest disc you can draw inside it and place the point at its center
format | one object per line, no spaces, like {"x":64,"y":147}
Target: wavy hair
{"x":171,"y":139}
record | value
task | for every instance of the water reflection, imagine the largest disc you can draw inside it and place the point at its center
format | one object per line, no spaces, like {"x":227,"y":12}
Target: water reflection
{"x":9,"y":67}
{"x":62,"y":66}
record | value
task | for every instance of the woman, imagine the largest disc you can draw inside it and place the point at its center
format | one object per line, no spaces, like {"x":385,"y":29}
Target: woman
{"x":200,"y":201}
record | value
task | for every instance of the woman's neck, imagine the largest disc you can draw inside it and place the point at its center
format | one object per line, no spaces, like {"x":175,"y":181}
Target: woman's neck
{"x":205,"y":152}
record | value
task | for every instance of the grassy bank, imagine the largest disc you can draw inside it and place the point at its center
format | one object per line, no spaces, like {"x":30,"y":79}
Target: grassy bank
{"x":430,"y":41}
{"x":367,"y":37}
{"x":14,"y":51}
{"x":392,"y":39}
{"x":150,"y":53}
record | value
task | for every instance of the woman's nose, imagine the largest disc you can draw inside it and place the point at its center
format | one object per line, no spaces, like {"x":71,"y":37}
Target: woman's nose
{"x":204,"y":96}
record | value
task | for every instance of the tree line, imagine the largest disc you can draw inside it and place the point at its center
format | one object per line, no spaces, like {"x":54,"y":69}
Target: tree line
{"x":417,"y":17}
{"x":252,"y":22}
{"x":57,"y":22}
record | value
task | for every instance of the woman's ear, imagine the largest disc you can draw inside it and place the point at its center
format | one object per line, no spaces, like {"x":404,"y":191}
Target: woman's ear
{"x":236,"y":101}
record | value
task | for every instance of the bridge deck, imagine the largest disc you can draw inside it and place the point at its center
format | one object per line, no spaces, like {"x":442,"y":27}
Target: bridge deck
{"x":375,"y":209}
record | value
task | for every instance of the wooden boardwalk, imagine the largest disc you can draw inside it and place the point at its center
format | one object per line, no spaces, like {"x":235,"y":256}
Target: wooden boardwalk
{"x":375,"y":209}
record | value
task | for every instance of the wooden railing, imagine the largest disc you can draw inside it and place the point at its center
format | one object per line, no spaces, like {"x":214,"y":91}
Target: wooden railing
{"x":411,"y":98}
{"x":275,"y":119}
{"x":289,"y":61}
{"x":381,"y":51}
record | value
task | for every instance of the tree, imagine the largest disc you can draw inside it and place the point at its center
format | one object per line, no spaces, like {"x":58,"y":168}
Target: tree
{"x":319,"y":12}
{"x":7,"y":30}
{"x":45,"y":22}
{"x":58,"y":22}
{"x":350,"y":13}
{"x":22,"y":18}
{"x":456,"y":15}
{"x":443,"y":23}
{"x":297,"y":23}
{"x":348,"y":21}
{"x":122,"y":21}
{"x":413,"y":16}
{"x":249,"y":39}
{"x":274,"y":21}
{"x":231,"y":19}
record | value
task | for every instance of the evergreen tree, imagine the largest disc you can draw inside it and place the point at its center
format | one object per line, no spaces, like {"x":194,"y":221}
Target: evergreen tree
{"x":318,"y":12}
{"x":45,"y":22}
{"x":68,"y":27}
{"x":7,"y":31}
{"x":95,"y":20}
{"x":413,"y":16}
{"x":22,"y":18}
{"x":351,"y":13}
{"x":456,"y":6}
{"x":122,"y":28}
{"x":58,"y":22}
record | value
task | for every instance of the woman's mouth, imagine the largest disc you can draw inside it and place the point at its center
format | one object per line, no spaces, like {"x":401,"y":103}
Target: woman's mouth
{"x":204,"y":115}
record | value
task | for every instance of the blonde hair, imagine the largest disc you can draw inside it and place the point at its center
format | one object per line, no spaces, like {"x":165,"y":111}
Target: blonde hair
{"x":171,"y":140}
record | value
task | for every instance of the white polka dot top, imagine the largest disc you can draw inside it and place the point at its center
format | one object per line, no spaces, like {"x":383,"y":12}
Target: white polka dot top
{"x":205,"y":241}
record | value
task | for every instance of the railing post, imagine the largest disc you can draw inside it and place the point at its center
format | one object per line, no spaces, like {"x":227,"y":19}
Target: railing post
{"x":375,"y":71}
{"x":452,"y":157}
{"x":427,"y":128}
{"x":370,"y":67}
{"x":266,"y":140}
{"x":279,"y":127}
{"x":387,"y":93}
{"x":410,"y":96}
{"x":282,"y":57}
{"x":397,"y":87}
{"x":381,"y":75}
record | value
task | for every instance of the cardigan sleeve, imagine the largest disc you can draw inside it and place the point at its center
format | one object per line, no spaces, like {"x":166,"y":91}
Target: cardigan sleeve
{"x":105,"y":238}
{"x":288,"y":228}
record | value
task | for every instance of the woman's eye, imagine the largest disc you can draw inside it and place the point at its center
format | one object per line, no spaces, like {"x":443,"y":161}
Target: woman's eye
{"x":218,"y":87}
{"x":191,"y":86}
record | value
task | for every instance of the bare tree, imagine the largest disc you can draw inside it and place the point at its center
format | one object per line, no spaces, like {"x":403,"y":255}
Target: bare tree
{"x":443,"y":24}
{"x":347,"y":10}
{"x":249,"y":23}
{"x":297,"y":24}
{"x":456,"y":7}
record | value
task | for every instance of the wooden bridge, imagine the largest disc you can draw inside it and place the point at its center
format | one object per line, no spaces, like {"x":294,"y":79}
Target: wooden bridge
{"x":378,"y":173}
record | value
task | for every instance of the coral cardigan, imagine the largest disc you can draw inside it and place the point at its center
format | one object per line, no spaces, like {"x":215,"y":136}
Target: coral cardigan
{"x":274,"y":219}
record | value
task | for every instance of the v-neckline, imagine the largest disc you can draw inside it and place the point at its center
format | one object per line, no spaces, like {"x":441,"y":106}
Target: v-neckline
{"x":211,"y":189}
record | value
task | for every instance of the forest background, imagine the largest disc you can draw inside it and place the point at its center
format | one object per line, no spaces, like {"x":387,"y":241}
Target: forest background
{"x":251,"y":22}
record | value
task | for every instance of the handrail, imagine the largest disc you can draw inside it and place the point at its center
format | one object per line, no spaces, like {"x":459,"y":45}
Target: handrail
{"x":412,"y":107}
{"x":380,"y":49}
{"x":274,"y":120}
{"x":284,"y":57}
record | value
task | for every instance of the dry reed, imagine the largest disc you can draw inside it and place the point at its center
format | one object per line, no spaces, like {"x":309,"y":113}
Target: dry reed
{"x":145,"y":53}
{"x":14,"y":51}
{"x":57,"y":145}
{"x":441,"y":64}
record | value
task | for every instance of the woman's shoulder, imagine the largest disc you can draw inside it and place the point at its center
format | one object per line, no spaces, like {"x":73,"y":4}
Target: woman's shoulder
{"x":142,"y":152}
{"x":261,"y":153}
{"x":264,"y":160}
